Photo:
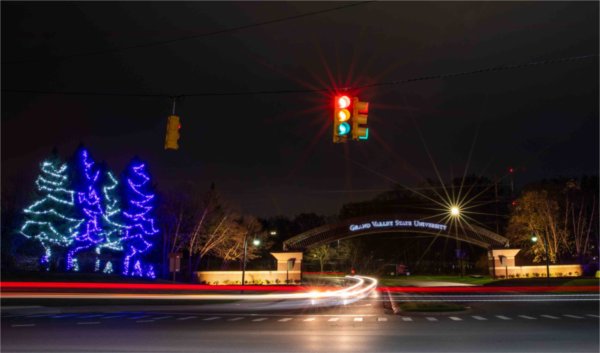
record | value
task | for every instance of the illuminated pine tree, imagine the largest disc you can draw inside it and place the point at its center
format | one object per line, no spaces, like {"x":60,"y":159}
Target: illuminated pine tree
{"x":51,"y":220}
{"x":88,"y":200}
{"x":138,"y":216}
{"x":112,"y":225}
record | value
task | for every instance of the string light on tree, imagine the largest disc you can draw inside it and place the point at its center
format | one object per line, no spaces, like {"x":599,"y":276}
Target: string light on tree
{"x":90,"y":232}
{"x":50,"y":220}
{"x":138,"y":235}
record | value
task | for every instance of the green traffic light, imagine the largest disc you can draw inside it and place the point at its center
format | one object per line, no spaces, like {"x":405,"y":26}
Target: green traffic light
{"x":343,"y":129}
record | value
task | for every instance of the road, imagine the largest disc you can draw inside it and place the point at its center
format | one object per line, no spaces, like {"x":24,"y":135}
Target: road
{"x":365,"y":326}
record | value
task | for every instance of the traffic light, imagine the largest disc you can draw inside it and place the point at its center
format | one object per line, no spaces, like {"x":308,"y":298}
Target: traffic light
{"x":173,"y":126}
{"x":360,"y":111}
{"x":341,"y":118}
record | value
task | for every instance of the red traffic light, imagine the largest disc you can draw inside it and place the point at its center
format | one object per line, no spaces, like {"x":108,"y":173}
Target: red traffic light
{"x":343,"y":102}
{"x":511,"y":170}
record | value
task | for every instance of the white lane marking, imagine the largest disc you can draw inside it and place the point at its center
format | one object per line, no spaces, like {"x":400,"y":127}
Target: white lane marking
{"x":145,"y":321}
{"x":334,"y":319}
{"x":113,"y":316}
{"x":573,"y":316}
{"x":261,"y":319}
{"x":138,"y":317}
{"x":454,"y":318}
{"x":406,"y":318}
{"x":88,"y":323}
{"x":503,"y":317}
{"x":358,"y":319}
{"x":90,"y":316}
{"x":236,"y":318}
{"x":212,"y":318}
{"x":549,"y":317}
{"x":187,"y":318}
{"x":592,"y":315}
{"x":527,"y":317}
{"x":431,"y":318}
{"x":162,"y":317}
{"x":22,"y":325}
{"x":285,"y":319}
{"x":380,"y":319}
{"x":480,"y":318}
{"x":309,"y":319}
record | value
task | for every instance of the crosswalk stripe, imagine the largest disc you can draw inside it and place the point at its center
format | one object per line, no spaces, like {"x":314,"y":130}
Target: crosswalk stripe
{"x":310,"y":319}
{"x":592,"y":315}
{"x":573,"y":316}
{"x":285,"y":319}
{"x":503,"y":317}
{"x":431,"y":318}
{"x":549,"y":317}
{"x":406,"y":318}
{"x":334,"y":319}
{"x":260,"y":319}
{"x":480,"y":318}
{"x":236,"y":319}
{"x":187,"y":318}
{"x":382,"y":319}
{"x":454,"y":318}
{"x":358,"y":319}
{"x":212,"y":318}
{"x":527,"y":317}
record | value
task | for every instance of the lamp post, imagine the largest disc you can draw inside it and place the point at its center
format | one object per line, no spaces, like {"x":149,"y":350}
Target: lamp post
{"x":256,"y":242}
{"x":534,"y":239}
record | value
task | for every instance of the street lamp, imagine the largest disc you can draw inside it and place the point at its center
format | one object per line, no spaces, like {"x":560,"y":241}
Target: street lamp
{"x":534,"y":239}
{"x":455,"y":211}
{"x":256,"y":242}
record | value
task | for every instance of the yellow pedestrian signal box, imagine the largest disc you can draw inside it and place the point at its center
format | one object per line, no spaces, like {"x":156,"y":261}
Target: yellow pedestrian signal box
{"x":172,"y":136}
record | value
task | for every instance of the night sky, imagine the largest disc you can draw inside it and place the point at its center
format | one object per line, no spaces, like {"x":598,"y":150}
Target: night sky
{"x":273,"y":154}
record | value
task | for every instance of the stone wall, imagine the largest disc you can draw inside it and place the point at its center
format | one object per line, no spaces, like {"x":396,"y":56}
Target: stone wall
{"x":538,"y":271}
{"x":252,"y":277}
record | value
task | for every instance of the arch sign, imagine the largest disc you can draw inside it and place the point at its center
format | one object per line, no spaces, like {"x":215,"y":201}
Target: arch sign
{"x":396,"y":223}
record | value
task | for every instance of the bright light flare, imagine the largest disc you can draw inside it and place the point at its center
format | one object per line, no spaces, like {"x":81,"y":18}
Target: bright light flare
{"x":343,"y":102}
{"x":455,"y":211}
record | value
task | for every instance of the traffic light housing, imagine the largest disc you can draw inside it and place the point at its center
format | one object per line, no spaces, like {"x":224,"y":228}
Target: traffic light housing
{"x":360,"y":111}
{"x":172,"y":136}
{"x":341,"y":118}
{"x":349,"y":119}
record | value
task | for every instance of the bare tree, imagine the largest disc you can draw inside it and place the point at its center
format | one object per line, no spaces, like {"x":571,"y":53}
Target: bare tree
{"x":321,"y":253}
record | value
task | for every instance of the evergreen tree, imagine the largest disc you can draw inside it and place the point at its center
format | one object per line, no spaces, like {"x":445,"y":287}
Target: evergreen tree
{"x":90,"y":234}
{"x":51,"y":220}
{"x":138,"y":217}
{"x":112,"y":224}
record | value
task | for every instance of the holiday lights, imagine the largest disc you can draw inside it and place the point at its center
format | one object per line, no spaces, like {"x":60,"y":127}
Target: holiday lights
{"x":91,"y":217}
{"x":49,"y":220}
{"x":138,"y":220}
{"x":90,"y":232}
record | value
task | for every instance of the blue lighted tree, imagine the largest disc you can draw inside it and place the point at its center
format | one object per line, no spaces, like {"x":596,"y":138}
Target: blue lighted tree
{"x":90,"y":234}
{"x":52,"y":220}
{"x":140,"y":232}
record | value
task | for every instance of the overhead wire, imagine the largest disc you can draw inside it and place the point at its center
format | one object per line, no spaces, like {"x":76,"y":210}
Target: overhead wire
{"x":180,"y":39}
{"x":314,"y":90}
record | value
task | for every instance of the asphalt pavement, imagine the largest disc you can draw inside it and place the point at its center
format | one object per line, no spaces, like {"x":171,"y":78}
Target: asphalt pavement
{"x":364,"y":326}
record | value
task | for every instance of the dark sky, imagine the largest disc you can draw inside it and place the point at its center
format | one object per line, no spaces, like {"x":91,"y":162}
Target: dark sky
{"x":273,"y":154}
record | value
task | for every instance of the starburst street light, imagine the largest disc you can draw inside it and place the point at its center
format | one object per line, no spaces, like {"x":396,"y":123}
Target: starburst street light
{"x":454,"y":211}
